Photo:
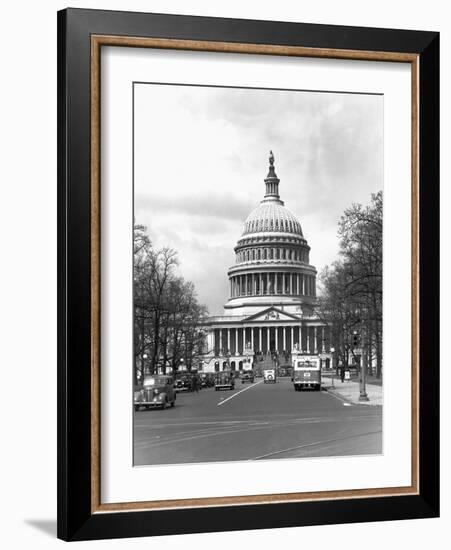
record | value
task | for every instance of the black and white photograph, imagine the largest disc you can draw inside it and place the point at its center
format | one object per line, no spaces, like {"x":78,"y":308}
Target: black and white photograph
{"x":257,"y":269}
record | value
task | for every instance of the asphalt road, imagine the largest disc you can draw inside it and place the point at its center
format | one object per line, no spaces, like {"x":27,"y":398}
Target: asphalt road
{"x":255,"y":422}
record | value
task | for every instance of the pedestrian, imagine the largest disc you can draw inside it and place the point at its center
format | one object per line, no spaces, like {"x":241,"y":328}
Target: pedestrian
{"x":342,"y":374}
{"x":195,"y":385}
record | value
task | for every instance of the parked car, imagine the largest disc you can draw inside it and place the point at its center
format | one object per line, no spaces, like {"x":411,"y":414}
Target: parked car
{"x":157,"y":392}
{"x":247,"y":376}
{"x":224,"y":380}
{"x":183,"y":383}
{"x":207,"y":380}
{"x":269,"y":375}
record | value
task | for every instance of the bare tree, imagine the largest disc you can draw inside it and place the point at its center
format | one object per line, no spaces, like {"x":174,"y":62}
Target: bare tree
{"x":167,"y":312}
{"x":352,"y":286}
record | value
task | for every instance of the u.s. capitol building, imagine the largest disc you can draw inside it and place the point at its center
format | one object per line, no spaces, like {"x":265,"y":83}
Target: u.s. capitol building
{"x":271,"y":305}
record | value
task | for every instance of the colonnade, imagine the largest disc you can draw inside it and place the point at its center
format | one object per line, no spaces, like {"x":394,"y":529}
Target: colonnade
{"x":255,"y":253}
{"x":269,"y":338}
{"x":260,"y":284}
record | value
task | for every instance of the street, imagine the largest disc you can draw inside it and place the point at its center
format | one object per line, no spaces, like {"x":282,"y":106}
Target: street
{"x":255,"y":422}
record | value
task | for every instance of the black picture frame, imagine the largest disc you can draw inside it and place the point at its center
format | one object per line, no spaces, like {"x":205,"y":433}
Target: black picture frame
{"x":76,"y":521}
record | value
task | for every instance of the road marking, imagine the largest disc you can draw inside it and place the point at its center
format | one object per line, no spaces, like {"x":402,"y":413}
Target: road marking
{"x":347,"y":404}
{"x":215,"y":431}
{"x":314,"y":443}
{"x":238,"y":392}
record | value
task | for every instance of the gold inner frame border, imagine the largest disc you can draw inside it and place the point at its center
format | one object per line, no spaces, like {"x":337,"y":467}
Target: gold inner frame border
{"x":97,"y":41}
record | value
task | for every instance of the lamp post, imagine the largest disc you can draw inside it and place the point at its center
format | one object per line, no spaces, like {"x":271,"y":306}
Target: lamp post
{"x":363,"y":395}
{"x":332,"y":351}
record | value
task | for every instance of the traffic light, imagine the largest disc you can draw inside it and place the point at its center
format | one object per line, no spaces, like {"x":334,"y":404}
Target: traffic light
{"x":355,"y":339}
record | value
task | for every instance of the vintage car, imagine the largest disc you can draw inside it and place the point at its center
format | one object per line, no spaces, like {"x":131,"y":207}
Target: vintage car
{"x":285,"y":371}
{"x":157,"y":391}
{"x":269,"y":376}
{"x":183,"y":383}
{"x":207,"y":380}
{"x":224,"y":380}
{"x":247,"y":376}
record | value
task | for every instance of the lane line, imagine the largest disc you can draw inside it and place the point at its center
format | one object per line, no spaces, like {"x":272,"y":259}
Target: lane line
{"x":204,"y":433}
{"x":314,"y":443}
{"x":238,"y":392}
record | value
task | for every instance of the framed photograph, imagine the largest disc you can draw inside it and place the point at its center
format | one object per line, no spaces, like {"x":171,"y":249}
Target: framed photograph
{"x":248,"y":274}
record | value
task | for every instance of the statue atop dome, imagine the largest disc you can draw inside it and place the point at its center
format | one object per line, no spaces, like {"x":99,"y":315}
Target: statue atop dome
{"x":271,"y":180}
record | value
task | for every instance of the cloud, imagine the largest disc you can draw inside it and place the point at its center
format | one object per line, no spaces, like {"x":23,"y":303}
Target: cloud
{"x":201,"y":155}
{"x":213,"y":206}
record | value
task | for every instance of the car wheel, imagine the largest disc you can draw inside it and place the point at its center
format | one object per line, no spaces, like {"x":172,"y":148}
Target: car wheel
{"x":137,"y":407}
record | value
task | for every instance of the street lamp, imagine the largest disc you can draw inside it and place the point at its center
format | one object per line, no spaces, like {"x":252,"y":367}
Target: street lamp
{"x":332,"y":351}
{"x":363,"y":395}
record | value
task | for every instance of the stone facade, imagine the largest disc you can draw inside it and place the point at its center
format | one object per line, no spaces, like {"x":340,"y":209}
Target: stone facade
{"x":271,"y":305}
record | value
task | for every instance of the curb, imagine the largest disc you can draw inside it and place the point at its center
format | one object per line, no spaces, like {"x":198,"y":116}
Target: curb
{"x":337,"y":394}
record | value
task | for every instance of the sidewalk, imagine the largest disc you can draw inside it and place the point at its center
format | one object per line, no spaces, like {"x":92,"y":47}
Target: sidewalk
{"x":350,"y":390}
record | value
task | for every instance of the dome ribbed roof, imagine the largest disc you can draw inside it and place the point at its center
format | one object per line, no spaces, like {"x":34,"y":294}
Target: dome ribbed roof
{"x":270,"y":217}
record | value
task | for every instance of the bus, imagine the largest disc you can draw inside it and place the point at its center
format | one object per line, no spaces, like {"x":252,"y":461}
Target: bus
{"x":307,"y":373}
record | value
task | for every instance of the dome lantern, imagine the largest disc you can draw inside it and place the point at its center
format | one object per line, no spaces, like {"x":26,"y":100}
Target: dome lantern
{"x":272,"y":181}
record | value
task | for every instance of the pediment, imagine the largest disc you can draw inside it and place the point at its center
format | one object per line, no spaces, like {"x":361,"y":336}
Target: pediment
{"x":272,"y":314}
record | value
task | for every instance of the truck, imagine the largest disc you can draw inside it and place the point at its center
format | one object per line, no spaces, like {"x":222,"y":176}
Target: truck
{"x":307,"y":373}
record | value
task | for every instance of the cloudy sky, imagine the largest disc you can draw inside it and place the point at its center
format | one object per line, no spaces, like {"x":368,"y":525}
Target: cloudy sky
{"x":201,"y":155}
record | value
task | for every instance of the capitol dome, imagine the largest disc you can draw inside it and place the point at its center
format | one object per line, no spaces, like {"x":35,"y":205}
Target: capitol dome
{"x":272,"y":216}
{"x":271,"y":257}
